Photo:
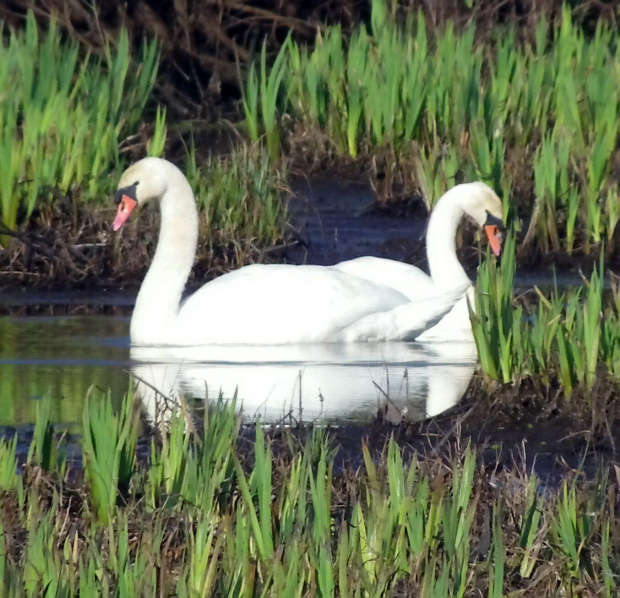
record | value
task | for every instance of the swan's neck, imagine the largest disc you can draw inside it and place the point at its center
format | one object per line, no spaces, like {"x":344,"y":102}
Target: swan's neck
{"x":446,"y":270}
{"x":157,"y":304}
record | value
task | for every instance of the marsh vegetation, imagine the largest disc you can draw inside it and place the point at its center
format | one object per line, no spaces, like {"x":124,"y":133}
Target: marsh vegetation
{"x":200,"y":507}
{"x":531,"y":119}
{"x":207,"y":513}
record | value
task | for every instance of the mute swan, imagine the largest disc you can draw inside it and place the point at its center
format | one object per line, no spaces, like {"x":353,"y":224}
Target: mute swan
{"x":282,"y":304}
{"x":475,"y":200}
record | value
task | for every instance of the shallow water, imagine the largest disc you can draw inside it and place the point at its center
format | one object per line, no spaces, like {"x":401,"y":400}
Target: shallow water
{"x":66,"y":355}
{"x":337,"y":223}
{"x":334,"y":383}
{"x":63,"y":356}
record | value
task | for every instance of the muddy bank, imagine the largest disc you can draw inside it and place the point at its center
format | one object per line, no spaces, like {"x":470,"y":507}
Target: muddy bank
{"x":80,"y":251}
{"x":528,"y":426}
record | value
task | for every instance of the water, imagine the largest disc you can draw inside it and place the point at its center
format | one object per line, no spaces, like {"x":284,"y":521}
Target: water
{"x":63,"y":356}
{"x":323,"y":382}
{"x":67,"y":355}
{"x":338,"y":223}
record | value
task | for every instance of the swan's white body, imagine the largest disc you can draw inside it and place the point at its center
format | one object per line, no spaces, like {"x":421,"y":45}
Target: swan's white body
{"x":276,"y":304}
{"x":366,"y":299}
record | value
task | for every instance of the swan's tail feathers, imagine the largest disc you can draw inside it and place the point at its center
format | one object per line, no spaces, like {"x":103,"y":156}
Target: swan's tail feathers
{"x":443,"y":300}
{"x":429,"y":311}
{"x":405,"y":322}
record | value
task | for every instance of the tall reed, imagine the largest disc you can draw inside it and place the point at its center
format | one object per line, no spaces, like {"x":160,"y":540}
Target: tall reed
{"x":109,"y":447}
{"x":63,"y":116}
{"x":572,"y":335}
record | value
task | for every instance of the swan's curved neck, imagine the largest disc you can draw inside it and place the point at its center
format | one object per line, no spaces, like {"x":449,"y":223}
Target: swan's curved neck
{"x":157,"y":304}
{"x":446,"y":270}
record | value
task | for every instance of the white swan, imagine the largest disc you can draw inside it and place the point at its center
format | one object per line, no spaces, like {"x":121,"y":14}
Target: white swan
{"x":475,"y":200}
{"x":282,"y":304}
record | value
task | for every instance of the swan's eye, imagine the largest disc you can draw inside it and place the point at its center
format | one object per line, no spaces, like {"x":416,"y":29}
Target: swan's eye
{"x":129,"y":192}
{"x":494,"y":220}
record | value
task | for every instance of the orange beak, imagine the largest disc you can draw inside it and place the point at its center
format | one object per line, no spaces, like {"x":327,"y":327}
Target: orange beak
{"x":495,"y":238}
{"x":125,"y":207}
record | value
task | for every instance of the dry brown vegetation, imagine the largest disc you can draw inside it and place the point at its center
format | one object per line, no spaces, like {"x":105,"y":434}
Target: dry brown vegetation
{"x":81,"y":251}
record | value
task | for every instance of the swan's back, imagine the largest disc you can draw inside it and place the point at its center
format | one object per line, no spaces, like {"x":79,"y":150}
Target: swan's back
{"x":404,"y":278}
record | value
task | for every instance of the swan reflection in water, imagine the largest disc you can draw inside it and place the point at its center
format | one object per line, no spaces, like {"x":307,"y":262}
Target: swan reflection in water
{"x":329,"y":383}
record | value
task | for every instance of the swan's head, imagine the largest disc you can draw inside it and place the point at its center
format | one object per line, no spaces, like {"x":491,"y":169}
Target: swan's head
{"x":141,"y":182}
{"x":481,"y":204}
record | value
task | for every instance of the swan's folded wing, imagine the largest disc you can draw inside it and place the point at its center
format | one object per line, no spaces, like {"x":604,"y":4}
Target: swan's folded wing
{"x":455,"y":325}
{"x":404,"y":322}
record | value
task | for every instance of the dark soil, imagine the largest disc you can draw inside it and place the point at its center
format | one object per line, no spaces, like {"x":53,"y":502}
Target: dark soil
{"x":72,"y":247}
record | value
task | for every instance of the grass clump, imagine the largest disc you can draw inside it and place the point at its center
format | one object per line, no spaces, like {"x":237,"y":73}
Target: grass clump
{"x":290,"y":523}
{"x":109,"y":447}
{"x":572,"y":336}
{"x":8,"y":463}
{"x":449,"y":109}
{"x":241,"y":195}
{"x":62,"y":116}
